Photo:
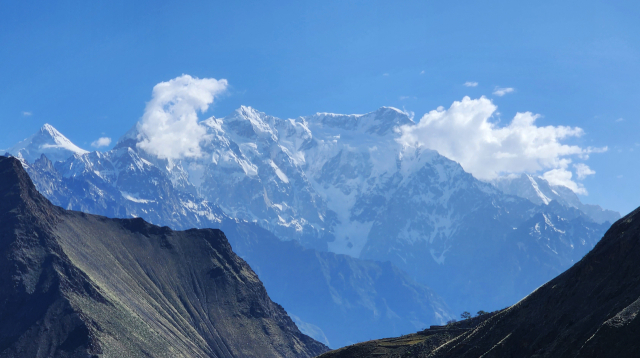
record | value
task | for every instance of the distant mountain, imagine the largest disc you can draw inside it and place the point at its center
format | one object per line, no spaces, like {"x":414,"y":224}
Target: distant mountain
{"x":78,"y":285}
{"x":46,"y":141}
{"x":119,"y":183}
{"x":591,"y":310}
{"x":348,"y":185}
{"x":540,"y":192}
{"x":274,"y":172}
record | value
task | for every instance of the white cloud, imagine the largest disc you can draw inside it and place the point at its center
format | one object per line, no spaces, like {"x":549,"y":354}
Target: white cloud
{"x":561,"y":176}
{"x":502,"y":91}
{"x":619,"y":120}
{"x":101,"y":142}
{"x":422,"y":72}
{"x":169,"y":127}
{"x":385,"y":74}
{"x":465,"y":133}
{"x":583,"y":171}
{"x":26,"y":114}
{"x":471,"y":84}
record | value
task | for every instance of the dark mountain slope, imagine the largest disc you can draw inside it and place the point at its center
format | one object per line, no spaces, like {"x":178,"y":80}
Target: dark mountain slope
{"x":79,"y":285}
{"x":589,"y":310}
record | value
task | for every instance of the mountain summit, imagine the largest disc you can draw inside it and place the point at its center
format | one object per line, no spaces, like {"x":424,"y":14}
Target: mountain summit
{"x":78,"y":285}
{"x":46,"y":141}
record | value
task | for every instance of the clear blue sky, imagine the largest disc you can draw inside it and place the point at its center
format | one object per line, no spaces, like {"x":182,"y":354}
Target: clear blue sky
{"x":88,"y":67}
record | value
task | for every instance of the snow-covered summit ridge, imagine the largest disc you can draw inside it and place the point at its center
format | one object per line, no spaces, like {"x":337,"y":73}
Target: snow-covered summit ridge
{"x":330,"y":181}
{"x":300,"y":177}
{"x":48,"y":141}
{"x":380,"y":122}
{"x":330,"y":177}
{"x":540,"y":192}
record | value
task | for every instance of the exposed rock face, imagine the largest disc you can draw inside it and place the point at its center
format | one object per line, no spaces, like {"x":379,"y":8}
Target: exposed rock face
{"x":79,"y":285}
{"x":590,"y":310}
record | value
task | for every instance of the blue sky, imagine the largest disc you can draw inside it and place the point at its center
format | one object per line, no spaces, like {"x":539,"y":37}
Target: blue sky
{"x":88,"y":68}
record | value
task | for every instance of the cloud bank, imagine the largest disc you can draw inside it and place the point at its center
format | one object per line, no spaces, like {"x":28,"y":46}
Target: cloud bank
{"x":101,"y":142}
{"x":464,"y":133}
{"x":169,"y":127}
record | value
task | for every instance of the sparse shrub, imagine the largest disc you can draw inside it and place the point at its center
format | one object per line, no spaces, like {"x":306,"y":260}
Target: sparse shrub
{"x":465,"y":315}
{"x":481,"y":313}
{"x":451,"y":321}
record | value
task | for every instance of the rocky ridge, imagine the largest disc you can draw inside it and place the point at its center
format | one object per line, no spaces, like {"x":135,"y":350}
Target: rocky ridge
{"x":79,"y":285}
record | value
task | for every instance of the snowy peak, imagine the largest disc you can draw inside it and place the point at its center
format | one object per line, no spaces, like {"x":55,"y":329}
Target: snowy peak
{"x":540,"y":192}
{"x":48,"y":141}
{"x":249,"y":123}
{"x":380,"y":122}
{"x":129,"y":139}
{"x":51,"y":131}
{"x":536,"y":190}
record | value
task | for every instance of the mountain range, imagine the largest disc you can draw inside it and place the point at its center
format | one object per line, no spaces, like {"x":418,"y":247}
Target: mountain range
{"x":348,"y":184}
{"x":340,"y":185}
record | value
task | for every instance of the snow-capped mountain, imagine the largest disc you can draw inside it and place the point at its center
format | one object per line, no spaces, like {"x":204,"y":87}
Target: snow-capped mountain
{"x":46,"y":141}
{"x":252,"y":172}
{"x":346,"y":184}
{"x":540,"y":192}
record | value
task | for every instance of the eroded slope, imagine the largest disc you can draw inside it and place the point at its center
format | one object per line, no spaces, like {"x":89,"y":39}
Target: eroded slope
{"x":78,"y":285}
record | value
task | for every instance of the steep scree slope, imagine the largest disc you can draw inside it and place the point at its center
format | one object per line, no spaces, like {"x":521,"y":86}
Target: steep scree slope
{"x":78,"y":285}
